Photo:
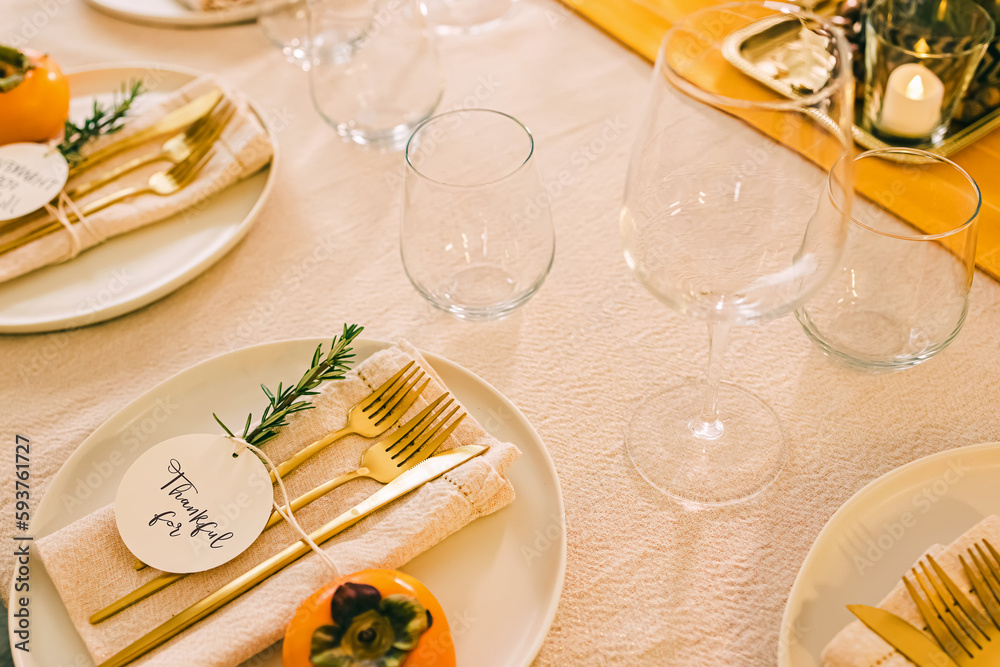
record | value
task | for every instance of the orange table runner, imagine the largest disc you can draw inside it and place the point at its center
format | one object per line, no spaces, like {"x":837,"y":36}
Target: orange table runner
{"x":641,"y":24}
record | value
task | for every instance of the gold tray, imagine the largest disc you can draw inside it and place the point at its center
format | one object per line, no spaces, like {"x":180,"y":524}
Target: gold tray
{"x":757,"y":50}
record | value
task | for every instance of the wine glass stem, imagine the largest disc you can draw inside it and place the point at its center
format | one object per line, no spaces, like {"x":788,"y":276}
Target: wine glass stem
{"x":707,"y":425}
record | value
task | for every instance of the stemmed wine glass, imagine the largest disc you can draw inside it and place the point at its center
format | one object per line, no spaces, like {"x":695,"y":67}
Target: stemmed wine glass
{"x":728,"y":218}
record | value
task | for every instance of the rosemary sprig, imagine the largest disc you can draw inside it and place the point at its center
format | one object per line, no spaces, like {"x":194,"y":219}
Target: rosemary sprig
{"x":101,"y":121}
{"x":289,"y":400}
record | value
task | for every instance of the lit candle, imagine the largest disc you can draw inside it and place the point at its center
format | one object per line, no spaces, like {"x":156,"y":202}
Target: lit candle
{"x":912,"y":104}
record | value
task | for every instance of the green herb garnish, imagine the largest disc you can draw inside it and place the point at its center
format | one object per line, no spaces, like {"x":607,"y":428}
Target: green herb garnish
{"x":286,"y":401}
{"x":102,"y":121}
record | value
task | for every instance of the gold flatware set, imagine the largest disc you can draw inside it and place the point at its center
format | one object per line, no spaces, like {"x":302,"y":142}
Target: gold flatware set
{"x":965,"y":636}
{"x":403,"y":461}
{"x":194,"y":129}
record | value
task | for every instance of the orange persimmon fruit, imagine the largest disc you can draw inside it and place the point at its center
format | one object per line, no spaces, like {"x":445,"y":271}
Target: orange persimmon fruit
{"x":373,"y":617}
{"x":34,"y":96}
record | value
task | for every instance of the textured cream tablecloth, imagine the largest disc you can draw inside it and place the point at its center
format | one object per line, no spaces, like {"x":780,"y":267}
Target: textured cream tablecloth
{"x":646,"y":583}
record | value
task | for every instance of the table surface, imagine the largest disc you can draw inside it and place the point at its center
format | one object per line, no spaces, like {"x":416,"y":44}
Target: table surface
{"x":646,"y":583}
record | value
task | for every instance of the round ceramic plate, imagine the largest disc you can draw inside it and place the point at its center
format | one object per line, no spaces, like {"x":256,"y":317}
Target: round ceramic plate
{"x":173,"y":13}
{"x":134,"y":269}
{"x":878,"y":535}
{"x":500,"y":602}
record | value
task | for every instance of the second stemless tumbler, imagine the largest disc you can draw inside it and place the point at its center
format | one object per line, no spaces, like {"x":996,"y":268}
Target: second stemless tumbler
{"x":900,"y":295}
{"x":476,"y":238}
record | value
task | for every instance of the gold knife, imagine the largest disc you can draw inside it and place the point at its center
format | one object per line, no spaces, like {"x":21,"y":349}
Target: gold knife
{"x":913,"y":644}
{"x":429,"y":470}
{"x":172,"y":121}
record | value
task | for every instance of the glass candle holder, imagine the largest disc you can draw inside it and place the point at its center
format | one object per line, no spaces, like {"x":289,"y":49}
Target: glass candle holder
{"x":919,"y":58}
{"x":901,"y":294}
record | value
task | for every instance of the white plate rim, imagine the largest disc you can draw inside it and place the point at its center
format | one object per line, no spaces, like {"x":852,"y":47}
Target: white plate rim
{"x":188,"y":19}
{"x":873,"y":488}
{"x":164,"y":288}
{"x":20,"y":660}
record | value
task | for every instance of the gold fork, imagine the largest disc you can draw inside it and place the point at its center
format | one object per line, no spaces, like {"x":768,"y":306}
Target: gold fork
{"x":385,"y":461}
{"x":411,"y":445}
{"x":985,"y":578}
{"x":162,"y":183}
{"x":176,"y":149}
{"x":370,"y":417}
{"x":964,"y":633}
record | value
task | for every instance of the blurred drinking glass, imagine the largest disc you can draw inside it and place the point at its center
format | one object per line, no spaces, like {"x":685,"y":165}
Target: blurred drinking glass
{"x":286,"y":24}
{"x":375,"y":72}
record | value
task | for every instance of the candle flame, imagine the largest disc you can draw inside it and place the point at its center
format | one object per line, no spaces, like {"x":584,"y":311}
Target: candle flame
{"x":921,"y":46}
{"x":915,"y":88}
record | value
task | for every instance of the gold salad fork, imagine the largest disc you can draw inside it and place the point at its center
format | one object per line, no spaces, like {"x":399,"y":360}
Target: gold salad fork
{"x":370,"y":417}
{"x":384,"y":461}
{"x":966,"y":634}
{"x":176,"y":149}
{"x":162,"y":183}
{"x":985,"y":578}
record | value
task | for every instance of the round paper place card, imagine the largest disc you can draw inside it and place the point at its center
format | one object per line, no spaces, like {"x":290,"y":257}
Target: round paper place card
{"x":188,"y":505}
{"x":31,"y":175}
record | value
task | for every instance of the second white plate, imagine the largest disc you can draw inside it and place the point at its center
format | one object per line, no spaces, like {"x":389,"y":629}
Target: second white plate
{"x":134,"y":269}
{"x":878,"y":535}
{"x":499,"y":579}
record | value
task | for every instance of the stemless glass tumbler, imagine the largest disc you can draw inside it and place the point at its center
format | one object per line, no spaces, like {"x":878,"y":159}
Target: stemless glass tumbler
{"x":477,"y":238}
{"x":900,"y":294}
{"x":375,"y":72}
{"x":727,"y":219}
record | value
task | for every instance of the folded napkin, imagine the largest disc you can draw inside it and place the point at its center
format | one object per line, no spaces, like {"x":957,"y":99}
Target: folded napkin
{"x":91,"y":567}
{"x":857,"y":646}
{"x":243,"y":149}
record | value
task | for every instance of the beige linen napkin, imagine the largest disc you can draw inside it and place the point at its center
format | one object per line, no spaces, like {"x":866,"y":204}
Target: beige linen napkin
{"x":214,"y":5}
{"x":91,"y":567}
{"x":242,"y":150}
{"x":857,"y":646}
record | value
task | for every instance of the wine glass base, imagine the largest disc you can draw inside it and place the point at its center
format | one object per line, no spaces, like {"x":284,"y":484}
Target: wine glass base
{"x":705,"y":472}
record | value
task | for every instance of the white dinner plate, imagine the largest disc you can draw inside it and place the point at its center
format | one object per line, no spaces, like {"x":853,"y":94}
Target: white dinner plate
{"x":498,"y":579}
{"x":878,"y":535}
{"x":134,"y":269}
{"x":173,"y":13}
